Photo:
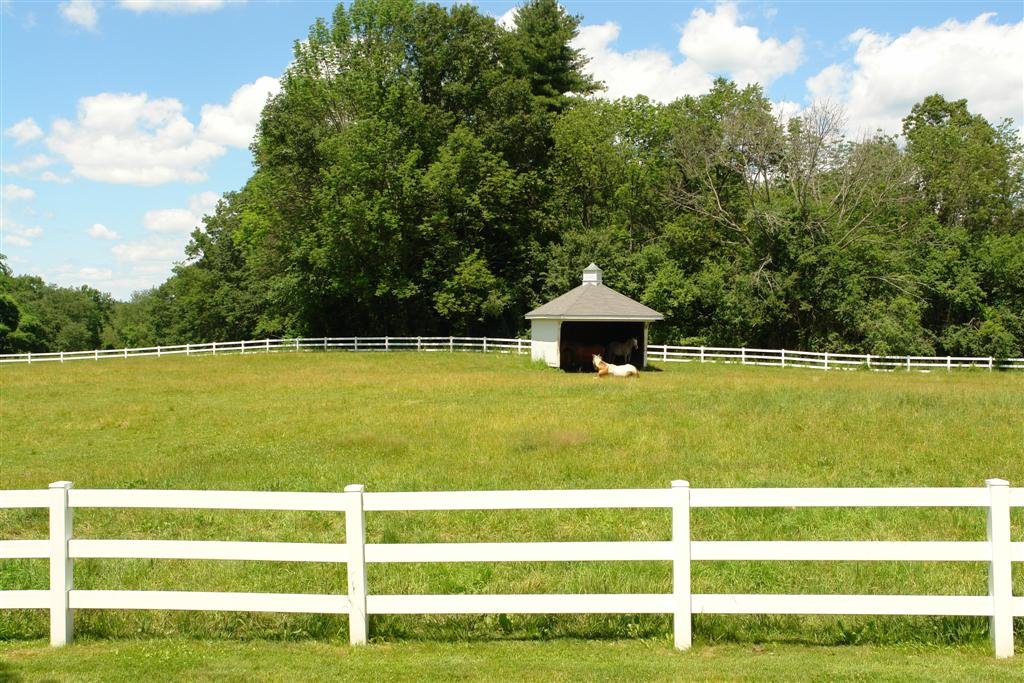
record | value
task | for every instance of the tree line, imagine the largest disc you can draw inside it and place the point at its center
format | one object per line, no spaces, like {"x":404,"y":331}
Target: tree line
{"x":424,"y":170}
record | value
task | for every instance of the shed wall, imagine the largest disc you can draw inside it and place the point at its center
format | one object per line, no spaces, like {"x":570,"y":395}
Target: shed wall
{"x":544,"y":341}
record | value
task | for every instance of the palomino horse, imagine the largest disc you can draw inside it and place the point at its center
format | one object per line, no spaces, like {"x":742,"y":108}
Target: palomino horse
{"x":604,"y":369}
{"x":623,"y":349}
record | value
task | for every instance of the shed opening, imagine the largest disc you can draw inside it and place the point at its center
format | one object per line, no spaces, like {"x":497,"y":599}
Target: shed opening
{"x":579,"y":340}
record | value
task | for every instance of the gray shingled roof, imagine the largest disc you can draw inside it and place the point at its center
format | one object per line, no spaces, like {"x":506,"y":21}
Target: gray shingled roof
{"x":594,"y":301}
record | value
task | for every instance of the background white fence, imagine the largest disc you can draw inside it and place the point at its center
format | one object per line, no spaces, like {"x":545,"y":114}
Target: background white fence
{"x":61,"y":549}
{"x":655,"y":352}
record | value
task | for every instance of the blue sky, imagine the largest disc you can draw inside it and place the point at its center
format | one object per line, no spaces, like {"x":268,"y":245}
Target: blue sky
{"x":124,"y":120}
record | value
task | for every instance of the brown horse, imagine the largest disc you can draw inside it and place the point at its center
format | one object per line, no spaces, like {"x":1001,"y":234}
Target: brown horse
{"x":579,"y":354}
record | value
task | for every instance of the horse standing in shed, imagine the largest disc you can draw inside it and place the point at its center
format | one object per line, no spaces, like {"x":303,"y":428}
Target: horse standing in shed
{"x":578,"y":354}
{"x":623,"y":349}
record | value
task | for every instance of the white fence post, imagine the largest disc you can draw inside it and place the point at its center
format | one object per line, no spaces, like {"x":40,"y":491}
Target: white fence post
{"x":990,"y":359}
{"x":743,"y":355}
{"x":61,"y":576}
{"x":387,"y":343}
{"x":783,"y":357}
{"x":869,"y":361}
{"x":485,"y":344}
{"x":451,"y":344}
{"x":419,"y":343}
{"x":949,"y":364}
{"x":682,"y":618}
{"x":325,"y":343}
{"x":243,"y":347}
{"x":908,"y":363}
{"x":826,"y":360}
{"x":157,"y":351}
{"x":188,"y":350}
{"x":355,"y":343}
{"x":96,"y":354}
{"x":1000,"y":585}
{"x":355,"y":540}
{"x":702,"y":354}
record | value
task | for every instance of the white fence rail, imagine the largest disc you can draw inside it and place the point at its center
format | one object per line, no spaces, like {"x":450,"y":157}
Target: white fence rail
{"x":62,"y":549}
{"x":657,"y":352}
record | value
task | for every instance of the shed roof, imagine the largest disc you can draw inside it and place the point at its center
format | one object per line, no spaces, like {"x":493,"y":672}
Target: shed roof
{"x":594,"y":301}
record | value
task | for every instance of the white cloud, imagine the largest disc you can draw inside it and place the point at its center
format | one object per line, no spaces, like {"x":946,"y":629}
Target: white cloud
{"x":102,"y":232}
{"x":638,"y":72}
{"x":718,"y":43}
{"x":784,"y":110}
{"x":182,"y":220}
{"x":710,"y":43}
{"x":16,"y":240}
{"x":51,"y":177}
{"x":24,"y":131}
{"x":508,"y":20}
{"x":235,"y":124}
{"x":174,"y":6}
{"x":829,"y":83}
{"x":131,"y":139}
{"x":28,"y":165}
{"x":17,"y":234}
{"x":12,"y":192}
{"x":978,"y":60}
{"x":163,"y":251}
{"x":80,"y":12}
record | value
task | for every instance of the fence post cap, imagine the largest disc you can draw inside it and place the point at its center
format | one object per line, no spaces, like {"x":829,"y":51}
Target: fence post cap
{"x":990,"y":482}
{"x":61,"y":485}
{"x":355,"y":488}
{"x":680,"y":483}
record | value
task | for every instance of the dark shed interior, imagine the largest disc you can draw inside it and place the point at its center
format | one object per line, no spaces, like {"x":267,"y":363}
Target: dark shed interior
{"x":580,"y":340}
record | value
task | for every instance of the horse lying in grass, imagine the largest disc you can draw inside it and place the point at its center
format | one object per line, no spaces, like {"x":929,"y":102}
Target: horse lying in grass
{"x":623,"y":349}
{"x":604,"y":369}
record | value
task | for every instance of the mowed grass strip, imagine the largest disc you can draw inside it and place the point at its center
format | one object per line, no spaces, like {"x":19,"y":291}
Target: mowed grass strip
{"x":559,"y":660}
{"x":405,"y":422}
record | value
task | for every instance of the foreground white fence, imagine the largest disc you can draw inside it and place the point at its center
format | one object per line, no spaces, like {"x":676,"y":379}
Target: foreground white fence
{"x":655,"y":352}
{"x":61,"y":549}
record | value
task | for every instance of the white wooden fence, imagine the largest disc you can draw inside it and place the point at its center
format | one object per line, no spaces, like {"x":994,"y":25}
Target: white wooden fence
{"x":61,"y":549}
{"x":665,"y":353}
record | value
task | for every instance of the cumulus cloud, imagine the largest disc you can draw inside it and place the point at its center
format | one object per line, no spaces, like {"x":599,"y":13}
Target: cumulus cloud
{"x":235,"y":124}
{"x":101,"y":232}
{"x":710,"y":42}
{"x":508,"y":20}
{"x":637,"y":72}
{"x":182,"y":220}
{"x":131,"y":139}
{"x":80,"y":12}
{"x":28,"y":165}
{"x":718,"y":43}
{"x":24,"y":131}
{"x":154,"y":249}
{"x":12,"y":192}
{"x":978,"y":60}
{"x":174,"y":6}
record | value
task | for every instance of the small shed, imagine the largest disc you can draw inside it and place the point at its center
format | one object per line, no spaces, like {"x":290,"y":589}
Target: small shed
{"x":589,"y":317}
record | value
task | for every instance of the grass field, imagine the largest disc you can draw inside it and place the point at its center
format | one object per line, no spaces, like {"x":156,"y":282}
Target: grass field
{"x":316,"y":422}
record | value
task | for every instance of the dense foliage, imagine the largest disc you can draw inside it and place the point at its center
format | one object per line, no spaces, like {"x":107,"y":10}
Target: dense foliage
{"x":424,"y":170}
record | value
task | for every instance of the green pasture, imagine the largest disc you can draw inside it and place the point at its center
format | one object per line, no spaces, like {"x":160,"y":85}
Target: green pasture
{"x":405,"y":422}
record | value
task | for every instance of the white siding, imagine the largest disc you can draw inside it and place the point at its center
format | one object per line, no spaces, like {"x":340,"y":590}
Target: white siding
{"x":544,"y":341}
